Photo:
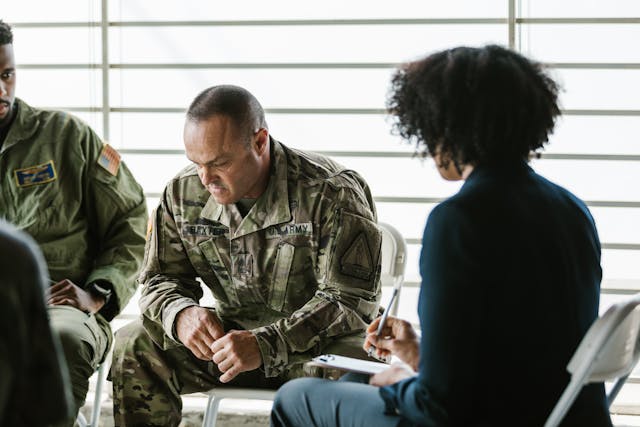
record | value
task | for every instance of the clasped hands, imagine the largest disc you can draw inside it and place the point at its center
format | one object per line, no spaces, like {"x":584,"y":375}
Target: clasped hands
{"x":397,"y":338}
{"x":200,"y":330}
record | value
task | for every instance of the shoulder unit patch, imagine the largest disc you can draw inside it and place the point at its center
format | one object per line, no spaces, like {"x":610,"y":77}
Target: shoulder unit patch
{"x":109,"y":159}
{"x":357,"y":260}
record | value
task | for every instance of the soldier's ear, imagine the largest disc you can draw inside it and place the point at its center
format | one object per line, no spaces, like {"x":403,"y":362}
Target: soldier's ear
{"x":261,"y":140}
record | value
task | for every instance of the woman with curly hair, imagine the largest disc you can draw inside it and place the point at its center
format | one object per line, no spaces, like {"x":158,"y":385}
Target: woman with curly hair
{"x":510,"y":264}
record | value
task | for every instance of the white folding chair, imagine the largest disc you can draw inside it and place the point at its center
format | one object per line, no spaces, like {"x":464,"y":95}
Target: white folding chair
{"x":81,"y":421}
{"x":609,"y":350}
{"x":393,"y":262}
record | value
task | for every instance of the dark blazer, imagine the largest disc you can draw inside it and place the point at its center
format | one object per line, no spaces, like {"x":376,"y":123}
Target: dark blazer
{"x":510,"y":284}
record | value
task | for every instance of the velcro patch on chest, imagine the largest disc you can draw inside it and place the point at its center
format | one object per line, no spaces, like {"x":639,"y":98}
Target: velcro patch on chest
{"x":278,"y":231}
{"x":109,"y":159}
{"x":34,"y":175}
{"x":204,"y":230}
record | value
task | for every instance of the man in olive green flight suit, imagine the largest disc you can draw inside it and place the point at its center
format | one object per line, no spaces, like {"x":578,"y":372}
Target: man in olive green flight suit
{"x":286,"y":241}
{"x":32,"y":370}
{"x":72,"y":194}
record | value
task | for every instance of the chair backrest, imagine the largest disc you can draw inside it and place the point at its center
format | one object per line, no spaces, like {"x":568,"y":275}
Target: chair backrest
{"x":610,"y":349}
{"x":393,"y":260}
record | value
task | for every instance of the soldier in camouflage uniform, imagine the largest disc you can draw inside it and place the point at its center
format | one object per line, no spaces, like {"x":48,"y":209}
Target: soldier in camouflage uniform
{"x":71,"y":193}
{"x":31,"y":365}
{"x":285,"y":240}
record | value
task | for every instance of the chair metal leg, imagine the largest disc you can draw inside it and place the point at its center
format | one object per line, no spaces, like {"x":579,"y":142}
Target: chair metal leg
{"x":97,"y":401}
{"x":211,"y":413}
{"x":81,"y":421}
{"x":94,"y":421}
{"x":616,"y":388}
{"x":565,"y":402}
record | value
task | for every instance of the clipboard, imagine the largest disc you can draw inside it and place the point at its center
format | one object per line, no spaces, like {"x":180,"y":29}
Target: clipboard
{"x":350,"y":364}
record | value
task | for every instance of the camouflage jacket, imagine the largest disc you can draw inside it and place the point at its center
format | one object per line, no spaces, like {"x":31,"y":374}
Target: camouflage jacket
{"x":299,"y":270}
{"x":70,"y":192}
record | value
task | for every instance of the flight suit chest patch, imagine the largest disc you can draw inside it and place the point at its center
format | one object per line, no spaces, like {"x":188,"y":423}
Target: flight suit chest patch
{"x":277,"y":231}
{"x":35,"y":175}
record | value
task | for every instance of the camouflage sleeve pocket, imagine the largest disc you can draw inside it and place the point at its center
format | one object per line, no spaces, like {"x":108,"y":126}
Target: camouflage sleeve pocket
{"x":355,"y":252}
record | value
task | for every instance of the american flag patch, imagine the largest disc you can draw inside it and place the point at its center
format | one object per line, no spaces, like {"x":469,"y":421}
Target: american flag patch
{"x":109,"y":159}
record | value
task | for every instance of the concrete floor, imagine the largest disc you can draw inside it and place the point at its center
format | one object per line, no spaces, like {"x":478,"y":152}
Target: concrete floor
{"x":232,"y":412}
{"x":253,"y":413}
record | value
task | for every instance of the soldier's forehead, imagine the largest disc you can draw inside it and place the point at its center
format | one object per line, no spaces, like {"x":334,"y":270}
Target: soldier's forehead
{"x":213,"y":138}
{"x":6,"y":56}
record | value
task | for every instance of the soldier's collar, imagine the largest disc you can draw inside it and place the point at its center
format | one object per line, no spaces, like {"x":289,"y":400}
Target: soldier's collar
{"x":212,"y":210}
{"x":24,"y":125}
{"x":273,"y":205}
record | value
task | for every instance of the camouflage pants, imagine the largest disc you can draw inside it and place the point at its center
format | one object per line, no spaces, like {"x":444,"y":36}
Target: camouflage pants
{"x":148,"y":381}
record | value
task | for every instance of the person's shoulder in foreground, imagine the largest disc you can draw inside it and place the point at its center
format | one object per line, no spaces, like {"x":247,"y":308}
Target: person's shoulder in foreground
{"x":32,"y":369}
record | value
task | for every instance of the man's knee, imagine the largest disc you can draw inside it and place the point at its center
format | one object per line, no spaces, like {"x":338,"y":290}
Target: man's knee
{"x":133,"y":329}
{"x":77,"y":351}
{"x":132,"y":351}
{"x":293,"y":392}
{"x":84,"y":342}
{"x":131,"y":338}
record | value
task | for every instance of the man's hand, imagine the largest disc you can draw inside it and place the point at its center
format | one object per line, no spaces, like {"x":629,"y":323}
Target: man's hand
{"x":397,"y":338}
{"x":197,"y":328}
{"x":396,"y":372}
{"x":236,"y":352}
{"x":66,"y":292}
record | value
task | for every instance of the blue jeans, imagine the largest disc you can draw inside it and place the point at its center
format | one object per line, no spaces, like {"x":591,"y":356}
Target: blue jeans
{"x":307,"y":402}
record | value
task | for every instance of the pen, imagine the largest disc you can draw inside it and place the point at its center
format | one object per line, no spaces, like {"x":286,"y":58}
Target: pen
{"x":383,"y":319}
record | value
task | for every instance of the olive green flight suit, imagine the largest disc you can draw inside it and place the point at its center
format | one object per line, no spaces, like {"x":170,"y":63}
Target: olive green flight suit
{"x":70,"y":192}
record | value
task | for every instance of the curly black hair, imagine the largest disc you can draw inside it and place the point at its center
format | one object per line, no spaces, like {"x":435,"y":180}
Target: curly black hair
{"x":476,"y":106}
{"x":6,"y":36}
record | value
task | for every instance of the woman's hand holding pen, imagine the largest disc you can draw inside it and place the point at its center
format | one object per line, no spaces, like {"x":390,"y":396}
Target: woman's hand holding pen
{"x":397,"y":338}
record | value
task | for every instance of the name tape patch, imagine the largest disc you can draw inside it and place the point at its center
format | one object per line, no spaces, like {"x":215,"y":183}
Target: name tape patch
{"x":204,"y":230}
{"x":277,"y":231}
{"x":34,"y":175}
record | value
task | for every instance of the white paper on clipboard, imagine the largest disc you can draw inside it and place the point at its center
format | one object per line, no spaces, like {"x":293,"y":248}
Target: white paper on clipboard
{"x":350,"y":364}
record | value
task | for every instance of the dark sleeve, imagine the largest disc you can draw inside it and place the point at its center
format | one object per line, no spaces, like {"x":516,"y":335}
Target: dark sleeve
{"x":451,"y":317}
{"x":32,"y":367}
